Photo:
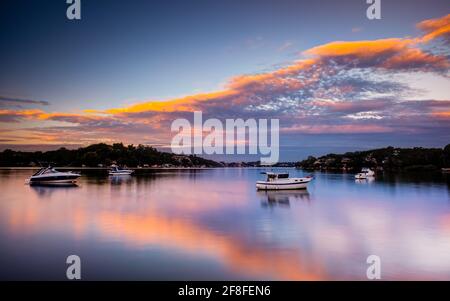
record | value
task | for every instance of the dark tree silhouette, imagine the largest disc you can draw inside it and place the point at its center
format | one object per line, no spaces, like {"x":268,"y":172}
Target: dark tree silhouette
{"x":102,"y":154}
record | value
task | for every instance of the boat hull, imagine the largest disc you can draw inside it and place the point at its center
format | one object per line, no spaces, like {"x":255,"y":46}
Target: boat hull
{"x":360,"y":177}
{"x":283,"y":185}
{"x":53,"y":183}
{"x":54,"y":180}
{"x":365,"y":174}
{"x":124,"y":173}
{"x":363,"y":177}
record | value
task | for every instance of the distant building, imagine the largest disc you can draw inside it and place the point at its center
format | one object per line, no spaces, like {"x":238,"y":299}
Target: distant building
{"x":318,"y":162}
{"x":346,"y":160}
{"x":329,"y":161}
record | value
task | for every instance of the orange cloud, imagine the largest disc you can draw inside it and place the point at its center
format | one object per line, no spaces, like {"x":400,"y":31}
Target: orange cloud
{"x":21,"y":113}
{"x":280,"y":76}
{"x":236,"y":87}
{"x":338,"y":129}
{"x":41,"y":115}
{"x":317,"y":77}
{"x":392,"y":53}
{"x":415,"y":57}
{"x":188,"y":103}
{"x":444,"y":115}
{"x":363,"y":49}
{"x":435,"y":28}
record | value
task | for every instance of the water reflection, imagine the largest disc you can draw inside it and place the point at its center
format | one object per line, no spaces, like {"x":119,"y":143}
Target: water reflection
{"x":282,"y":198}
{"x":44,"y":190}
{"x":120,"y":179}
{"x":365,"y":181}
{"x":241,"y":255}
{"x":212,"y":224}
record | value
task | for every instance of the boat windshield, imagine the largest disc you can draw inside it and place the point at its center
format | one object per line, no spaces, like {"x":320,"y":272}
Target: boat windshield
{"x":44,"y":171}
{"x":39,"y":172}
{"x":274,"y":176}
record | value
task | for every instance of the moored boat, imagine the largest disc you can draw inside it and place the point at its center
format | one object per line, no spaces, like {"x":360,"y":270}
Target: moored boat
{"x":281,"y":181}
{"x":49,"y":175}
{"x":115,"y":171}
{"x":365,"y":174}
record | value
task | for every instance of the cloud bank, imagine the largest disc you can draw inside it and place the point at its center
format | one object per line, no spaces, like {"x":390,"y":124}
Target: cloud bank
{"x":343,"y":87}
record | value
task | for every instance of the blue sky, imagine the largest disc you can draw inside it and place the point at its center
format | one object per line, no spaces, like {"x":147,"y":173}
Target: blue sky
{"x":127,"y":52}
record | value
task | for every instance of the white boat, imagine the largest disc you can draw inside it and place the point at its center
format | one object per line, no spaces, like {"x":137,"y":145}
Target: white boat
{"x":279,"y":181}
{"x":49,"y":175}
{"x":365,"y":174}
{"x":115,"y":171}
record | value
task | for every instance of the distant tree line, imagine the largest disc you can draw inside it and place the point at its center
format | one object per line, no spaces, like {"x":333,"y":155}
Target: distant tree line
{"x":388,"y":158}
{"x":102,"y":155}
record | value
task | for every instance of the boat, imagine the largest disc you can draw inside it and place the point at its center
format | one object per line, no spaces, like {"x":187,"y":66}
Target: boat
{"x":365,"y":174}
{"x":49,"y":175}
{"x":279,"y":181}
{"x":116,"y":171}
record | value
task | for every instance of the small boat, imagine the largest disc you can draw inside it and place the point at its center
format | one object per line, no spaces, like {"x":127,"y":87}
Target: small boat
{"x":365,"y":174}
{"x":116,"y":171}
{"x":279,"y":181}
{"x":49,"y":175}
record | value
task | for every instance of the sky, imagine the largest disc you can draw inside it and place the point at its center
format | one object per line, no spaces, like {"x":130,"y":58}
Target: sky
{"x":336,"y":80}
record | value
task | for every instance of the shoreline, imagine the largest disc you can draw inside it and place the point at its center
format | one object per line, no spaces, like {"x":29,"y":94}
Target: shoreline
{"x":307,"y":170}
{"x":143,"y":168}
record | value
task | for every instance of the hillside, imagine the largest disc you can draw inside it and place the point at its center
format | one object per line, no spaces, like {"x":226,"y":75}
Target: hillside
{"x":99,"y":155}
{"x":388,"y":158}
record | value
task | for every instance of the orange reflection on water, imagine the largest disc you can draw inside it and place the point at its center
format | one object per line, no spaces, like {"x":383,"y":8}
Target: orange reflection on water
{"x":46,"y":210}
{"x":23,"y":219}
{"x":323,"y":234}
{"x":239,"y":255}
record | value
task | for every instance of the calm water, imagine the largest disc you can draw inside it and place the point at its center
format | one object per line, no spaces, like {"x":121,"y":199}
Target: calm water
{"x":213,"y":225}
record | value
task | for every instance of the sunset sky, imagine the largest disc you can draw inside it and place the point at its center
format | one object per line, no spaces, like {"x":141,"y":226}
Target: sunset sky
{"x":336,"y":80}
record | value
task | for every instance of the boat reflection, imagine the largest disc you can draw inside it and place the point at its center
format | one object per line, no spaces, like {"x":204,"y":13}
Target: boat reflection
{"x":282,"y":198}
{"x":46,"y":189}
{"x":365,"y":181}
{"x":120,"y":179}
{"x":146,"y":226}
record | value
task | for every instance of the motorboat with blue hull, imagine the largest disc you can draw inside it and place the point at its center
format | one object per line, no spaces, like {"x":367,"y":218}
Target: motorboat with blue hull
{"x":281,"y":181}
{"x":49,"y":175}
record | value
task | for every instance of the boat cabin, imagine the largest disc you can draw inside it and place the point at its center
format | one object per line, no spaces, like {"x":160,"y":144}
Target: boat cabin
{"x":272,"y":176}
